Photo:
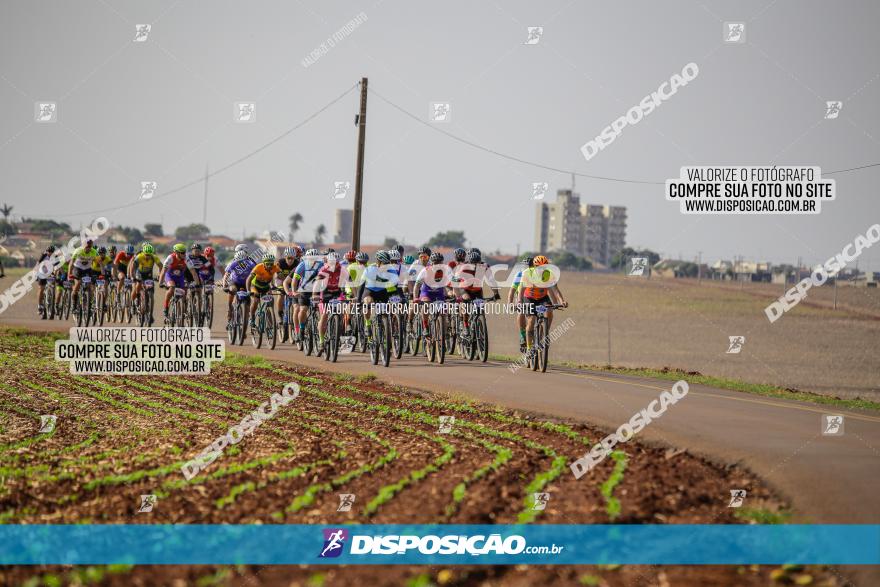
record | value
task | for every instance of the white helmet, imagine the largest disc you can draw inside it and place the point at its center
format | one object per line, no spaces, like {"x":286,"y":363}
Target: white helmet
{"x":239,"y":255}
{"x":333,"y":257}
{"x":241,"y":247}
{"x":312,"y":253}
{"x":394,"y":254}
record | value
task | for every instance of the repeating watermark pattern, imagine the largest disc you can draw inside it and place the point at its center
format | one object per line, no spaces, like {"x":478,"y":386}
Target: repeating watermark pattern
{"x":446,"y":424}
{"x":245,"y":112}
{"x":331,"y":41}
{"x":629,"y":429}
{"x":148,"y":502}
{"x":148,"y":189}
{"x":832,"y":425}
{"x":141,"y":32}
{"x":832,"y":109}
{"x":635,"y":114}
{"x":440,"y":112}
{"x":539,"y":189}
{"x":539,"y":501}
{"x":340,"y":189}
{"x":554,"y":335}
{"x":734,"y":32}
{"x":737,"y":498}
{"x":637,"y":267}
{"x":534,"y":34}
{"x":45,"y":112}
{"x":47,"y":424}
{"x":822,"y":273}
{"x":346,"y":500}
{"x":47,"y":267}
{"x":735,"y":345}
{"x":235,"y":434}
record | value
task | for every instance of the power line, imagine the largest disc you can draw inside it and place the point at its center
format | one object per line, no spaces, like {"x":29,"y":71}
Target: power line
{"x":205,"y":177}
{"x":548,"y":167}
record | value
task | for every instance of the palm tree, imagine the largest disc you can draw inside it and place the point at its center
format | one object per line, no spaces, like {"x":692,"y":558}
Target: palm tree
{"x":6,"y":210}
{"x":319,"y":234}
{"x":295,"y":220}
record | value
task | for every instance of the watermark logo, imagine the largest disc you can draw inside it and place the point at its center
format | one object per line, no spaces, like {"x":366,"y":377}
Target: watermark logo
{"x":148,"y":189}
{"x":832,"y":425}
{"x":539,"y":189}
{"x":245,"y":112}
{"x":331,"y":41}
{"x":334,"y":541}
{"x":446,"y":424}
{"x":45,"y":112}
{"x":832,"y":109}
{"x":638,"y":266}
{"x":736,"y":344}
{"x":534,"y":35}
{"x":147,"y":504}
{"x":554,"y":335}
{"x":734,"y":32}
{"x":141,"y":32}
{"x":737,"y":497}
{"x":539,"y":501}
{"x":346,"y":500}
{"x":440,"y":112}
{"x":340,"y":189}
{"x":47,"y":424}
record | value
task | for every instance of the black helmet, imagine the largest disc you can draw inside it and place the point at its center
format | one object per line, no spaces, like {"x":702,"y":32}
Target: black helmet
{"x":383,"y":257}
{"x":460,"y":254}
{"x":50,"y":249}
{"x":425,"y":250}
{"x":362,"y":257}
{"x":528,"y":260}
{"x":399,"y":249}
{"x":437,"y":258}
{"x":474,"y":256}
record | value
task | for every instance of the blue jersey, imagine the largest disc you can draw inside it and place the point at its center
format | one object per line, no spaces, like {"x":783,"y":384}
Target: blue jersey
{"x":384,"y":278}
{"x":307,"y":274}
{"x":238,"y":271}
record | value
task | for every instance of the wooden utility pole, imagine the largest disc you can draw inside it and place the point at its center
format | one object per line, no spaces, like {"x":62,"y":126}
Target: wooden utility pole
{"x":359,"y":172}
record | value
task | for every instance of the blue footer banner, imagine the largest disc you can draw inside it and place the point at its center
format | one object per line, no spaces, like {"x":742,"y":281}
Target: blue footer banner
{"x":431,"y":544}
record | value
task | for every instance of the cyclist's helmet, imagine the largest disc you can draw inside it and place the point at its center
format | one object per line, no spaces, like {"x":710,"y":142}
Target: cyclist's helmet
{"x":50,"y":249}
{"x":297,"y":250}
{"x":394,"y":255}
{"x":148,"y":249}
{"x":409,"y":259}
{"x":129,"y":249}
{"x":209,"y":251}
{"x":540,"y":260}
{"x":362,"y":257}
{"x":474,"y":256}
{"x":180,"y":248}
{"x":399,"y":249}
{"x":196,"y":248}
{"x":383,"y":257}
{"x":330,"y":250}
{"x":239,"y":256}
{"x":425,"y":251}
{"x":350,"y":256}
{"x":333,"y":257}
{"x":89,"y":242}
{"x":460,"y":254}
{"x":312,"y":253}
{"x":268,"y":258}
{"x":102,"y":250}
{"x":436,"y":258}
{"x":241,"y":247}
{"x":112,"y":249}
{"x":290,"y":252}
{"x":528,"y":260}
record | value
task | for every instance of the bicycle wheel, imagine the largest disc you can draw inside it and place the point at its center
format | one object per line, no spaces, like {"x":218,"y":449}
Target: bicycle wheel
{"x":385,"y":334}
{"x":481,"y":338}
{"x":68,"y":302}
{"x":332,"y":338}
{"x":543,"y":348}
{"x":441,"y":340}
{"x":375,"y":351}
{"x":271,"y":328}
{"x":308,"y":336}
{"x":431,"y":345}
{"x":536,"y":336}
{"x":49,"y":301}
{"x":397,"y":334}
{"x":231,"y":326}
{"x":257,"y":329}
{"x":209,"y":310}
{"x":99,"y":308}
{"x":451,"y":334}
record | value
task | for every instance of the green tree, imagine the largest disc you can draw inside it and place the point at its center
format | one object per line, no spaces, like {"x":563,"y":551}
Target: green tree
{"x":320,"y":232}
{"x":620,"y":259}
{"x":153,"y":229}
{"x":450,"y":238}
{"x":132,"y":235}
{"x":6,"y":210}
{"x":295,"y":221}
{"x":192,"y":232}
{"x":6,"y":228}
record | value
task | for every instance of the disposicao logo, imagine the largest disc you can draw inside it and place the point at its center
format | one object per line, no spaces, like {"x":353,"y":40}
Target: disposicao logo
{"x":334,"y":542}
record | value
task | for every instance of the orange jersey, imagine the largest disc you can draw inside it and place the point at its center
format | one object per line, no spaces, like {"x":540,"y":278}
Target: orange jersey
{"x":264,"y":275}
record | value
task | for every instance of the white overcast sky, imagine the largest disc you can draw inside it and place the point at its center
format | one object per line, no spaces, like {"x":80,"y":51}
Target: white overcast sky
{"x":163,"y":109}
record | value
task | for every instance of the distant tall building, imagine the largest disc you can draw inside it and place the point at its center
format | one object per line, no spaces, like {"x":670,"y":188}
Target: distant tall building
{"x":344,"y":222}
{"x":587,"y":230}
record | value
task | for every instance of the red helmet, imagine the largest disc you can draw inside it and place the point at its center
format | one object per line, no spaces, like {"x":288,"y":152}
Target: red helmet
{"x":209,"y":251}
{"x":350,"y":256}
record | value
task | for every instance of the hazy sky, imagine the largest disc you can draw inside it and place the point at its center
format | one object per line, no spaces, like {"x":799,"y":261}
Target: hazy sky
{"x":163,"y":109}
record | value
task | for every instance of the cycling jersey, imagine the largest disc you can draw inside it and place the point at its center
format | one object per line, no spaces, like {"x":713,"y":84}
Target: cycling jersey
{"x":100,"y":262}
{"x":355,"y":271}
{"x":306,"y":274}
{"x":82,"y":259}
{"x":285,"y":268}
{"x":122,"y":260}
{"x":146,"y":262}
{"x":238,"y":271}
{"x":467,"y":277}
{"x":431,"y":279}
{"x":263,"y":275}
{"x":533,"y":276}
{"x":202,"y":266}
{"x":330,"y":277}
{"x":516,"y":281}
{"x":384,"y":278}
{"x":176,"y":265}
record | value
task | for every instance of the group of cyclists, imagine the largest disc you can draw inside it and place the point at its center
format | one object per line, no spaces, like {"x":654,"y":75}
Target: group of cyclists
{"x":314,"y":282}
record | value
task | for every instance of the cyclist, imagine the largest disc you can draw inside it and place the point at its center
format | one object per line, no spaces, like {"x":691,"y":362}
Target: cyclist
{"x":46,"y":257}
{"x":120,"y":263}
{"x":355,"y":270}
{"x":286,"y":266}
{"x":141,"y":268}
{"x":459,"y":256}
{"x":102,"y":267}
{"x":260,"y":281}
{"x":299,"y":284}
{"x":81,"y":266}
{"x":511,"y":297}
{"x":61,"y":279}
{"x":534,"y":290}
{"x":380,"y":283}
{"x":429,"y":285}
{"x":327,"y":287}
{"x":211,"y":267}
{"x":235,"y":277}
{"x":172,"y":276}
{"x":469,"y":287}
{"x":202,"y":266}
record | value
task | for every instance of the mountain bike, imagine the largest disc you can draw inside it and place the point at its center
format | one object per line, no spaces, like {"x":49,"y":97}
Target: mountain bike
{"x":537,"y":355}
{"x":288,"y":307}
{"x":380,"y":335}
{"x":207,"y":305}
{"x":475,"y":342}
{"x":358,"y":327}
{"x":65,"y":302}
{"x":100,"y":299}
{"x":398,"y":325}
{"x":414,"y":332}
{"x":49,"y":298}
{"x":85,"y":297}
{"x":235,"y":326}
{"x":435,"y":341}
{"x":193,"y":304}
{"x":309,"y":334}
{"x":177,"y":308}
{"x":264,"y":321}
{"x":124,"y":303}
{"x":334,"y":329}
{"x":145,"y":302}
